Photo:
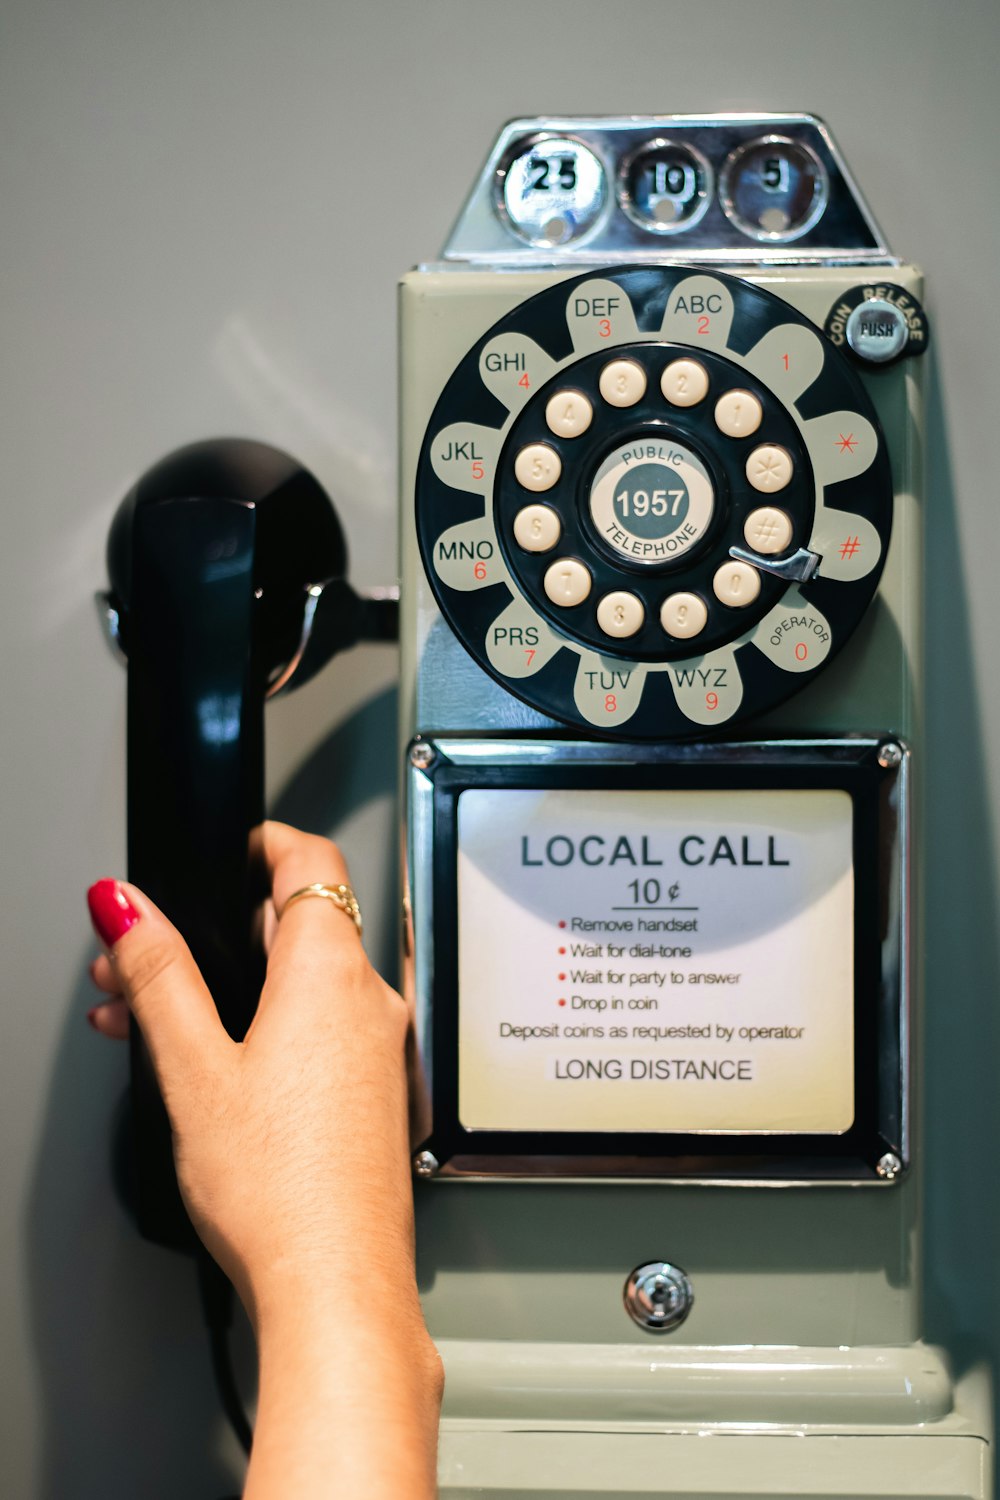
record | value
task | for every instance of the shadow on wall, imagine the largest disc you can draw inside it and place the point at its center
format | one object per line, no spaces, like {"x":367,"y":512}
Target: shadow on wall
{"x":961,"y":1114}
{"x":122,"y":1357}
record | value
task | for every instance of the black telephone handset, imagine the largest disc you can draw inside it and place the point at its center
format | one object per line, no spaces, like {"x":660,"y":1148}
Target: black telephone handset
{"x":219,"y":558}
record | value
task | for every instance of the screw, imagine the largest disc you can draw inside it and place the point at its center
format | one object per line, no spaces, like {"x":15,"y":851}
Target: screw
{"x":890,"y":755}
{"x":421,"y":755}
{"x":889,"y":1166}
{"x":426,"y":1164}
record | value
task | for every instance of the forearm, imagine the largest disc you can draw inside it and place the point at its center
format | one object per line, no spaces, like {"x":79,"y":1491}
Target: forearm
{"x":348,"y":1406}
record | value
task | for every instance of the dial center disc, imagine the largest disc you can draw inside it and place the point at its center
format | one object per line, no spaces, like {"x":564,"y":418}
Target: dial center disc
{"x":652,"y":500}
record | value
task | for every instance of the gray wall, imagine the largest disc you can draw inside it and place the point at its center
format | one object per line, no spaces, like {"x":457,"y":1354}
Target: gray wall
{"x":203,"y":210}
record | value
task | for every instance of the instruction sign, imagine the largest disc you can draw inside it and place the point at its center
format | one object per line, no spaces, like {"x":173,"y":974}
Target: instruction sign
{"x":656,"y":961}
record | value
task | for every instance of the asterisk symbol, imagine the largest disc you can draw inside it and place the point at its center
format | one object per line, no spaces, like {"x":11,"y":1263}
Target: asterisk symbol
{"x":770,"y":467}
{"x":847,"y":444}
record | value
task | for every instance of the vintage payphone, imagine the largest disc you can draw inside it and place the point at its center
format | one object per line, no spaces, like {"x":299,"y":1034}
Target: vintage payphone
{"x":661,"y":605}
{"x":661,"y":664}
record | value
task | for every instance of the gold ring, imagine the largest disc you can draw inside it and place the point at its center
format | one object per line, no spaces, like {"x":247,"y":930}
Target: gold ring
{"x":340,"y":895}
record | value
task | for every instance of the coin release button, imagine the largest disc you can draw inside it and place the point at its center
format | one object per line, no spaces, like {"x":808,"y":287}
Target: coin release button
{"x":767,"y":530}
{"x":537,"y":528}
{"x":568,"y":413}
{"x":877,"y":330}
{"x":769,"y":468}
{"x":567,"y":582}
{"x":736,"y":584}
{"x":537,"y":467}
{"x":683,"y":615}
{"x":738,"y":413}
{"x":620,"y":614}
{"x":684,"y":382}
{"x":622,"y":382}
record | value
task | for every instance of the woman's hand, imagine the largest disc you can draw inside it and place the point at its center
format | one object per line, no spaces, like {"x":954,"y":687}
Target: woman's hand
{"x":292,"y":1147}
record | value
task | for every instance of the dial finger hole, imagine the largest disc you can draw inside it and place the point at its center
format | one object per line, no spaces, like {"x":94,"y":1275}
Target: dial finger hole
{"x":620,"y":614}
{"x":768,"y":530}
{"x":769,"y":468}
{"x":736,"y":584}
{"x":568,"y":413}
{"x":683,"y":615}
{"x":622,"y":382}
{"x":684,"y":382}
{"x":567,"y":582}
{"x":537,"y":528}
{"x":738,"y":413}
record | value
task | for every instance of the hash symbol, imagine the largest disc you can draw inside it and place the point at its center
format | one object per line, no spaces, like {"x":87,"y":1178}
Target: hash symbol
{"x":847,"y":444}
{"x":765,"y":528}
{"x":849,"y":547}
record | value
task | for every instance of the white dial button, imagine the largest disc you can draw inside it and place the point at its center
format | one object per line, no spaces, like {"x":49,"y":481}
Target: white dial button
{"x":683,"y":615}
{"x":568,"y":413}
{"x":537,"y":528}
{"x":768,"y":530}
{"x":567,"y":582}
{"x":736,"y":584}
{"x":620,"y":614}
{"x":769,"y":468}
{"x":622,"y":382}
{"x":738,"y":413}
{"x":537,"y":467}
{"x":684,"y":382}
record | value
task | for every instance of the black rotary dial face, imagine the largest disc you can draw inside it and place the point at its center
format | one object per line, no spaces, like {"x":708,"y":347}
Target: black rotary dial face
{"x":652,"y":502}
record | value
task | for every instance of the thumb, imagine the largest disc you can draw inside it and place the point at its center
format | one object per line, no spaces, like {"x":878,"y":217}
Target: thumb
{"x":159,"y":979}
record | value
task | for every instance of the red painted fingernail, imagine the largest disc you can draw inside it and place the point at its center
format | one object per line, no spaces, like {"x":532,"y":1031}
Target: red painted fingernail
{"x":111,"y":912}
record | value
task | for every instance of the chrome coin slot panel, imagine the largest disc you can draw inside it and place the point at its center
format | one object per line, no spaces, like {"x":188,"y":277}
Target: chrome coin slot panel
{"x":717,"y":188}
